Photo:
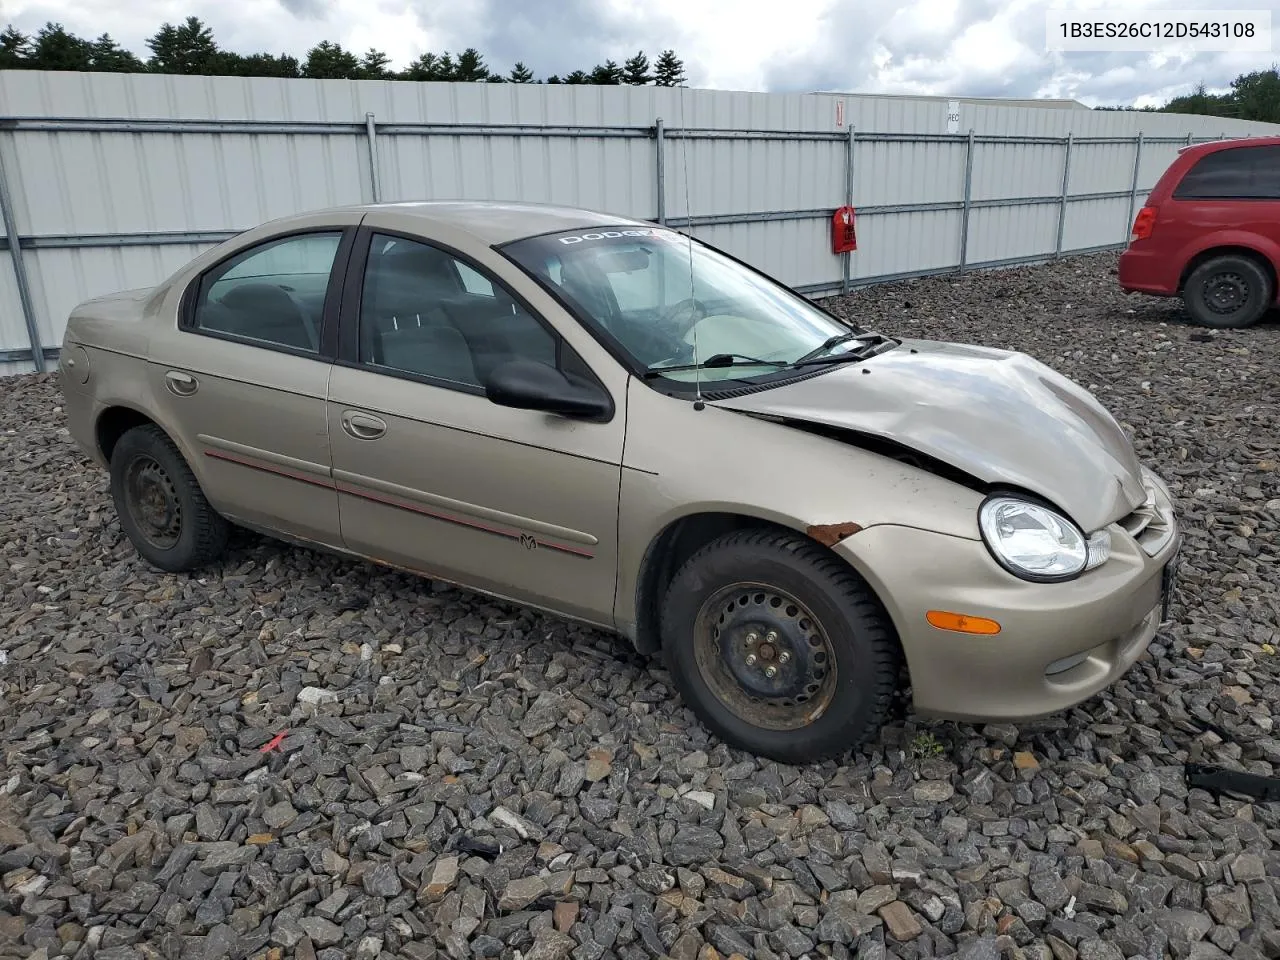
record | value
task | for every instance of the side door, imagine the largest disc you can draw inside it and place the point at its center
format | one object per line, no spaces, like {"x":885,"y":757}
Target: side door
{"x":434,"y":476}
{"x":242,"y":379}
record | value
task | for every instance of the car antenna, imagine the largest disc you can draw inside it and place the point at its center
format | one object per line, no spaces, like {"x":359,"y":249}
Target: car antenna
{"x":688,"y":210}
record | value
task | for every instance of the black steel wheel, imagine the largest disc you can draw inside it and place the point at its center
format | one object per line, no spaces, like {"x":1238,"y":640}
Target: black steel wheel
{"x":764,"y":655}
{"x":1228,"y":292}
{"x":779,"y":647}
{"x":151,"y":498}
{"x":160,"y":504}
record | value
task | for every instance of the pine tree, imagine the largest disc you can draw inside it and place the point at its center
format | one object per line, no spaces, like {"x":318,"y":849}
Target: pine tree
{"x":266,"y":65}
{"x":635,"y":70}
{"x":471,"y":66}
{"x":426,"y":67}
{"x":608,"y":73}
{"x":108,"y":56}
{"x":669,"y":70}
{"x":15,"y":49}
{"x":188,"y":49}
{"x":55,"y":49}
{"x":328,"y":61}
{"x":373,"y":65}
{"x":554,"y":78}
{"x":577,"y":77}
{"x":520,"y":73}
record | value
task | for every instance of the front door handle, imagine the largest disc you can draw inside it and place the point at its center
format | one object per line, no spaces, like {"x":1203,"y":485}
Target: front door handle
{"x":182,"y":384}
{"x":363,"y":426}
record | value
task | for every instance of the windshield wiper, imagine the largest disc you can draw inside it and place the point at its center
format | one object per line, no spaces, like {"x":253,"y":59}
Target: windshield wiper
{"x":828,"y":344}
{"x":715,"y":361}
{"x":877,"y":343}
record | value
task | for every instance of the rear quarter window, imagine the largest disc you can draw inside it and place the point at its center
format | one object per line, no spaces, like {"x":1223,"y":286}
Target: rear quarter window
{"x":1240,"y":173}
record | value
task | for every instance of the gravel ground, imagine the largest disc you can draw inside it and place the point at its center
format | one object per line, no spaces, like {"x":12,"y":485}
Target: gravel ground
{"x":462,"y":778}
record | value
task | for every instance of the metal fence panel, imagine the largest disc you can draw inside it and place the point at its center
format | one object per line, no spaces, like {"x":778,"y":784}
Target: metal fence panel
{"x":912,"y":242}
{"x":1095,"y":223}
{"x":1008,"y":232}
{"x":116,"y":180}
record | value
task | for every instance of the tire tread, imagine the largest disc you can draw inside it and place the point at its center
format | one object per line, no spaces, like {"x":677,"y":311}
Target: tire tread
{"x":211,"y":531}
{"x":853,"y":592}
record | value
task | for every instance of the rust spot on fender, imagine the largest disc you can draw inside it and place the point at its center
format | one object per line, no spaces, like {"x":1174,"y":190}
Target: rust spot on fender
{"x":829,"y":534}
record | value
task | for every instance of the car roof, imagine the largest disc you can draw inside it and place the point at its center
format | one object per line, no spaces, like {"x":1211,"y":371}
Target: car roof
{"x":494,"y":221}
{"x":1213,"y":146}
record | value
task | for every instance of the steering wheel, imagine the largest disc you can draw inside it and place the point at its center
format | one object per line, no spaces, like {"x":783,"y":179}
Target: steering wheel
{"x":673,"y":320}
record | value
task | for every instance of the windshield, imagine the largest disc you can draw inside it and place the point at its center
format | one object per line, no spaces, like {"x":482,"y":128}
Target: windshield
{"x":654,"y":294}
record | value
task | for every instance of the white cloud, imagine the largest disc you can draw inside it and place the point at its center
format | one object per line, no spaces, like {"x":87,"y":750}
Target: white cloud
{"x":952,"y":47}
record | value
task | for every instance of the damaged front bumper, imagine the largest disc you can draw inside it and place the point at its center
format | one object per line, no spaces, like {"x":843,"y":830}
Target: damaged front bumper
{"x":1058,"y":644}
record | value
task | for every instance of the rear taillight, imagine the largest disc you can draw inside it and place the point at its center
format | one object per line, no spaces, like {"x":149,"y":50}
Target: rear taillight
{"x":1144,"y":223}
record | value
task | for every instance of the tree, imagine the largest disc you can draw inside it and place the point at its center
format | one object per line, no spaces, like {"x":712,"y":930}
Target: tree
{"x":608,"y":73}
{"x":55,"y":49}
{"x":520,"y":73}
{"x":1257,"y":95}
{"x":188,"y":49}
{"x":669,"y":70}
{"x":577,"y":77}
{"x":373,"y":65}
{"x":554,"y":78}
{"x":471,"y":66}
{"x":635,"y":70}
{"x":426,"y":67}
{"x":15,"y":49}
{"x":266,"y":65}
{"x":328,"y":61}
{"x":108,"y":56}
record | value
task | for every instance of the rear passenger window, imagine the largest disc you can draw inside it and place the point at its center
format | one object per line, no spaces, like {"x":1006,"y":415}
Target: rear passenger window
{"x":273,"y":293}
{"x":1240,"y":173}
{"x":424,"y":312}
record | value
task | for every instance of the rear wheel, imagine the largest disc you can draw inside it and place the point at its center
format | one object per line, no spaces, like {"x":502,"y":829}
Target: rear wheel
{"x":161,"y":507}
{"x":1227,"y":292}
{"x":778,"y":647}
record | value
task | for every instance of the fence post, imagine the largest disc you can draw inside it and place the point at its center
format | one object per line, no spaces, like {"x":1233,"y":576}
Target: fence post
{"x":20,"y":271}
{"x":1062,"y":203}
{"x":1133,"y":189}
{"x":968,"y":195}
{"x":660,"y":156}
{"x":371,"y":133}
{"x":847,"y":265}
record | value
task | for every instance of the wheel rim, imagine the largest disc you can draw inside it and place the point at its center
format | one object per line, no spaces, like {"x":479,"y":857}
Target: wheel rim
{"x":1226,"y":293}
{"x":765,"y":656}
{"x":152,"y":501}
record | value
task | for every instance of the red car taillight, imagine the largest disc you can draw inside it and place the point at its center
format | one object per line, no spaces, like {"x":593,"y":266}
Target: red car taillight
{"x":1144,"y":223}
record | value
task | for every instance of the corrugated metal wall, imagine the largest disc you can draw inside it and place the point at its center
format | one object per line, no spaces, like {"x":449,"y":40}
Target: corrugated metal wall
{"x":117,"y":180}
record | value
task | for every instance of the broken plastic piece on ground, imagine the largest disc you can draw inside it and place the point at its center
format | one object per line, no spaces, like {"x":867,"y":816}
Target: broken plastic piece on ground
{"x":274,"y":742}
{"x":1221,"y":780}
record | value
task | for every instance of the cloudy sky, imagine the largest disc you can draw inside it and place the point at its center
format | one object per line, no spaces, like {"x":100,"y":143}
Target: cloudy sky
{"x":952,"y":47}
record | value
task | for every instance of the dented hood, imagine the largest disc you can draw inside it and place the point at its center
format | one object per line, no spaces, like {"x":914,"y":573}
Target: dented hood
{"x":1002,"y":417}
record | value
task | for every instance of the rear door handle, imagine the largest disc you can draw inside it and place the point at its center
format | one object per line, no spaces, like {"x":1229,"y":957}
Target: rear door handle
{"x":363,"y":426}
{"x":182,"y":384}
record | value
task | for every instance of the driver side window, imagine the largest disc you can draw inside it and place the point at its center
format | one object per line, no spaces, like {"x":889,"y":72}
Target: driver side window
{"x":273,"y":293}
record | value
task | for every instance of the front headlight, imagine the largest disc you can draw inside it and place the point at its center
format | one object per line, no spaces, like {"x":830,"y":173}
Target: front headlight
{"x":1034,"y":542}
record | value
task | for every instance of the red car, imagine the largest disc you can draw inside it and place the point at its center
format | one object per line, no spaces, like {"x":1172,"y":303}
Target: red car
{"x":1210,"y":232}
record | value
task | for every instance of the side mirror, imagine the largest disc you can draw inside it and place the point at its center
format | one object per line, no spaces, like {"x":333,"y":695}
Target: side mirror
{"x":530,"y":385}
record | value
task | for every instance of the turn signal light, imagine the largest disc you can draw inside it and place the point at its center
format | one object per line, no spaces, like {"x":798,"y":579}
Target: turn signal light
{"x":961,"y":623}
{"x":1144,"y":223}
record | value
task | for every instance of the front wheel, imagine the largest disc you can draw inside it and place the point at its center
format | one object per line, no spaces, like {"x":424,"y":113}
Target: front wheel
{"x":1227,"y":292}
{"x":160,"y":504}
{"x":778,"y":646}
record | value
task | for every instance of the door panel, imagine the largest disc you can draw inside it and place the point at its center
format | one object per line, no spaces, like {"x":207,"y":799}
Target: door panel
{"x":255,"y":432}
{"x":433,"y":476}
{"x":241,"y":382}
{"x":518,"y":503}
